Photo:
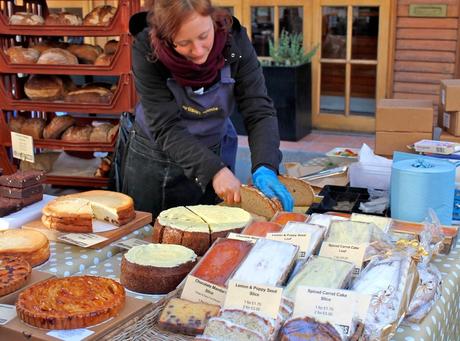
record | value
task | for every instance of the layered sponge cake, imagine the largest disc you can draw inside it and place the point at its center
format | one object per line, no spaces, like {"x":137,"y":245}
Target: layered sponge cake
{"x":75,"y":212}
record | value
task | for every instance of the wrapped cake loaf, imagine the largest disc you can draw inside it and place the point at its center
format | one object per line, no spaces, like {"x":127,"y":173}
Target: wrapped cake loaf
{"x":382,"y":223}
{"x":268,"y":263}
{"x":315,"y":232}
{"x":321,"y":272}
{"x":324,"y":220}
{"x":261,"y":228}
{"x":308,"y":329}
{"x":391,"y":283}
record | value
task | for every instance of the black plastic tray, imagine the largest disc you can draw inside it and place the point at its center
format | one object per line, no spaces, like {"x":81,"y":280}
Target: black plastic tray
{"x":341,"y":199}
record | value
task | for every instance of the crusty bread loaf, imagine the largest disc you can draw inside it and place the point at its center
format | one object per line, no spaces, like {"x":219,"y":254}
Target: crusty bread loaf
{"x":26,"y":18}
{"x":112,"y":133}
{"x":77,"y":134}
{"x":86,"y":53}
{"x":90,"y":95}
{"x":45,"y":45}
{"x":111,"y":47}
{"x":254,"y":201}
{"x":301,"y":191}
{"x":63,"y":18}
{"x":42,"y":162}
{"x":57,"y":56}
{"x":15,"y":123}
{"x":44,"y":87}
{"x":57,"y":126}
{"x":100,"y":133}
{"x":100,"y":16}
{"x":103,"y":60}
{"x":33,"y":127}
{"x":22,"y":55}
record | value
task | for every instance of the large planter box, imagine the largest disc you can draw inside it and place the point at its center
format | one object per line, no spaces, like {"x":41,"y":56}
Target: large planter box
{"x":290,"y":89}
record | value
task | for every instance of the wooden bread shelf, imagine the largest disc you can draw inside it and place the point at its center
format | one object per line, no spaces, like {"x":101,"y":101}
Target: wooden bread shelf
{"x":120,"y":64}
{"x":77,"y":181}
{"x":122,"y":100}
{"x":117,"y":26}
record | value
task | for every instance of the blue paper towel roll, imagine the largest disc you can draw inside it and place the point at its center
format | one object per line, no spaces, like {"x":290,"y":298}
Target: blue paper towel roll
{"x":420,"y":184}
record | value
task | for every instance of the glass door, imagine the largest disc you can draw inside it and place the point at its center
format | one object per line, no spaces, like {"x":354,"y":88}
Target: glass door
{"x":350,"y":69}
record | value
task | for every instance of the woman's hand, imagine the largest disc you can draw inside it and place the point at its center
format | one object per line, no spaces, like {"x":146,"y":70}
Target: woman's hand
{"x":227,"y":186}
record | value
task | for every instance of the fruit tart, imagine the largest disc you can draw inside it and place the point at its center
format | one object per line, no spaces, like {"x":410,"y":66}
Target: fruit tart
{"x":14,"y":273}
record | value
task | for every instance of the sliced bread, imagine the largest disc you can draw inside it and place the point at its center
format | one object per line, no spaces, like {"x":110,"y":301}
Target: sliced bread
{"x":301,"y":191}
{"x":256,"y":202}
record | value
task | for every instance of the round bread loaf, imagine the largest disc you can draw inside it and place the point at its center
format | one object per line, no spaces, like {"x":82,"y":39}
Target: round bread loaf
{"x":156,"y":268}
{"x":56,"y":56}
{"x":45,"y":45}
{"x":86,"y":53}
{"x":22,"y":55}
{"x":77,"y":134}
{"x":112,"y":133}
{"x":63,"y":18}
{"x":15,"y":123}
{"x":57,"y":126}
{"x":100,"y":16}
{"x":103,"y":60}
{"x":26,"y":18}
{"x":33,"y":127}
{"x":100,"y":132}
{"x":44,"y":87}
{"x":111,"y":46}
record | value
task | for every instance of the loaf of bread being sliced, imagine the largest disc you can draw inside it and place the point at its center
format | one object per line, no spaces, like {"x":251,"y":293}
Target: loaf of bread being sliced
{"x":256,"y":202}
{"x":301,"y":191}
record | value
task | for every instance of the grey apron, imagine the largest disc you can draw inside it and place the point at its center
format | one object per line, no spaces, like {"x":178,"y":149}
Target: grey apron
{"x":156,"y":182}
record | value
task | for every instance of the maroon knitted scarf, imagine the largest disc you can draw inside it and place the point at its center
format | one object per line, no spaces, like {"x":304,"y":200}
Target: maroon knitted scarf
{"x":187,"y":73}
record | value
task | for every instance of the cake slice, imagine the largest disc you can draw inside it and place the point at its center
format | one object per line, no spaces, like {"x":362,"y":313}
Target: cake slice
{"x":22,"y":179}
{"x":321,"y":272}
{"x":308,"y":329}
{"x":349,"y":232}
{"x":250,"y":320}
{"x":301,"y":192}
{"x":223,"y":330}
{"x":268,"y":263}
{"x":185,"y":317}
{"x":383,"y":223}
{"x":221,"y":260}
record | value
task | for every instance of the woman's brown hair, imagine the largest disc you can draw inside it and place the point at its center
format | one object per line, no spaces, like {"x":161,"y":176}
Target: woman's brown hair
{"x":166,"y":16}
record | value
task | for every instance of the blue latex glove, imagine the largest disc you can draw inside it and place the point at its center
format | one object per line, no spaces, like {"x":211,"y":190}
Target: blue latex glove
{"x":267,"y":182}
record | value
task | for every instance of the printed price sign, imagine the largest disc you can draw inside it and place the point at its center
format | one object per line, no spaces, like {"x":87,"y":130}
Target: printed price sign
{"x":82,"y":239}
{"x":302,"y":240}
{"x":252,"y":297}
{"x":23,"y":147}
{"x":332,"y":305}
{"x":7,"y":313}
{"x":246,"y":238}
{"x":347,"y":252}
{"x":197,"y":290}
{"x":130,"y":243}
{"x":71,"y":334}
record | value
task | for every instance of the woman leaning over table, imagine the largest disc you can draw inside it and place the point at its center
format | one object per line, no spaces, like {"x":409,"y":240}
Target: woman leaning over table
{"x":194,"y":66}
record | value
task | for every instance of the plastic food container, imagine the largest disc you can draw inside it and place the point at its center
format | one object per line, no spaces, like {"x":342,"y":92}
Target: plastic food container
{"x":343,"y":155}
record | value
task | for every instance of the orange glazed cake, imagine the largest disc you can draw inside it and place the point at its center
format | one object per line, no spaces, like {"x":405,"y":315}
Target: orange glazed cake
{"x":14,"y":273}
{"x":75,"y":212}
{"x":71,"y":302}
{"x":33,"y":246}
{"x":156,"y":268}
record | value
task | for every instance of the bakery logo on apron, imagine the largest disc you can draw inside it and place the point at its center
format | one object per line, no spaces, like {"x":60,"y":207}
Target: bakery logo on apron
{"x":197,"y":112}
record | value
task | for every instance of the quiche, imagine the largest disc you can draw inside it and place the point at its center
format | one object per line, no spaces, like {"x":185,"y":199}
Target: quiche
{"x":70,"y":302}
{"x":14,"y":273}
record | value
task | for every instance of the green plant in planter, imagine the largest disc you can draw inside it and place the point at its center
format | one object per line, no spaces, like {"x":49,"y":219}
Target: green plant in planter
{"x":290,"y":51}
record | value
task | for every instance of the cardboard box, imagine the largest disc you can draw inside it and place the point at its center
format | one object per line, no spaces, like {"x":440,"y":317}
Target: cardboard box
{"x":445,"y":136}
{"x":16,"y":330}
{"x":450,"y":94}
{"x":387,"y":142}
{"x":404,"y":115}
{"x":451,"y":122}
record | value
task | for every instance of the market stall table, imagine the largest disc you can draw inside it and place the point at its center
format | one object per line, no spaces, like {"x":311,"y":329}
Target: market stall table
{"x":65,"y":259}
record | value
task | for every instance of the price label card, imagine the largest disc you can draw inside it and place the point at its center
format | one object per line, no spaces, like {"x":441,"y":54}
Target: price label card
{"x":71,"y":334}
{"x":82,"y":239}
{"x":7,"y":313}
{"x":197,"y":290}
{"x":252,"y":297}
{"x":332,"y":305}
{"x":130,"y":243}
{"x":302,"y":240}
{"x":23,"y":147}
{"x":347,"y":252}
{"x":246,"y":238}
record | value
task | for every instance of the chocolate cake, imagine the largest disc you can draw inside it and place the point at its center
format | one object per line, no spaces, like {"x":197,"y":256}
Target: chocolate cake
{"x":8,"y":206}
{"x":20,"y":193}
{"x":22,"y":179}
